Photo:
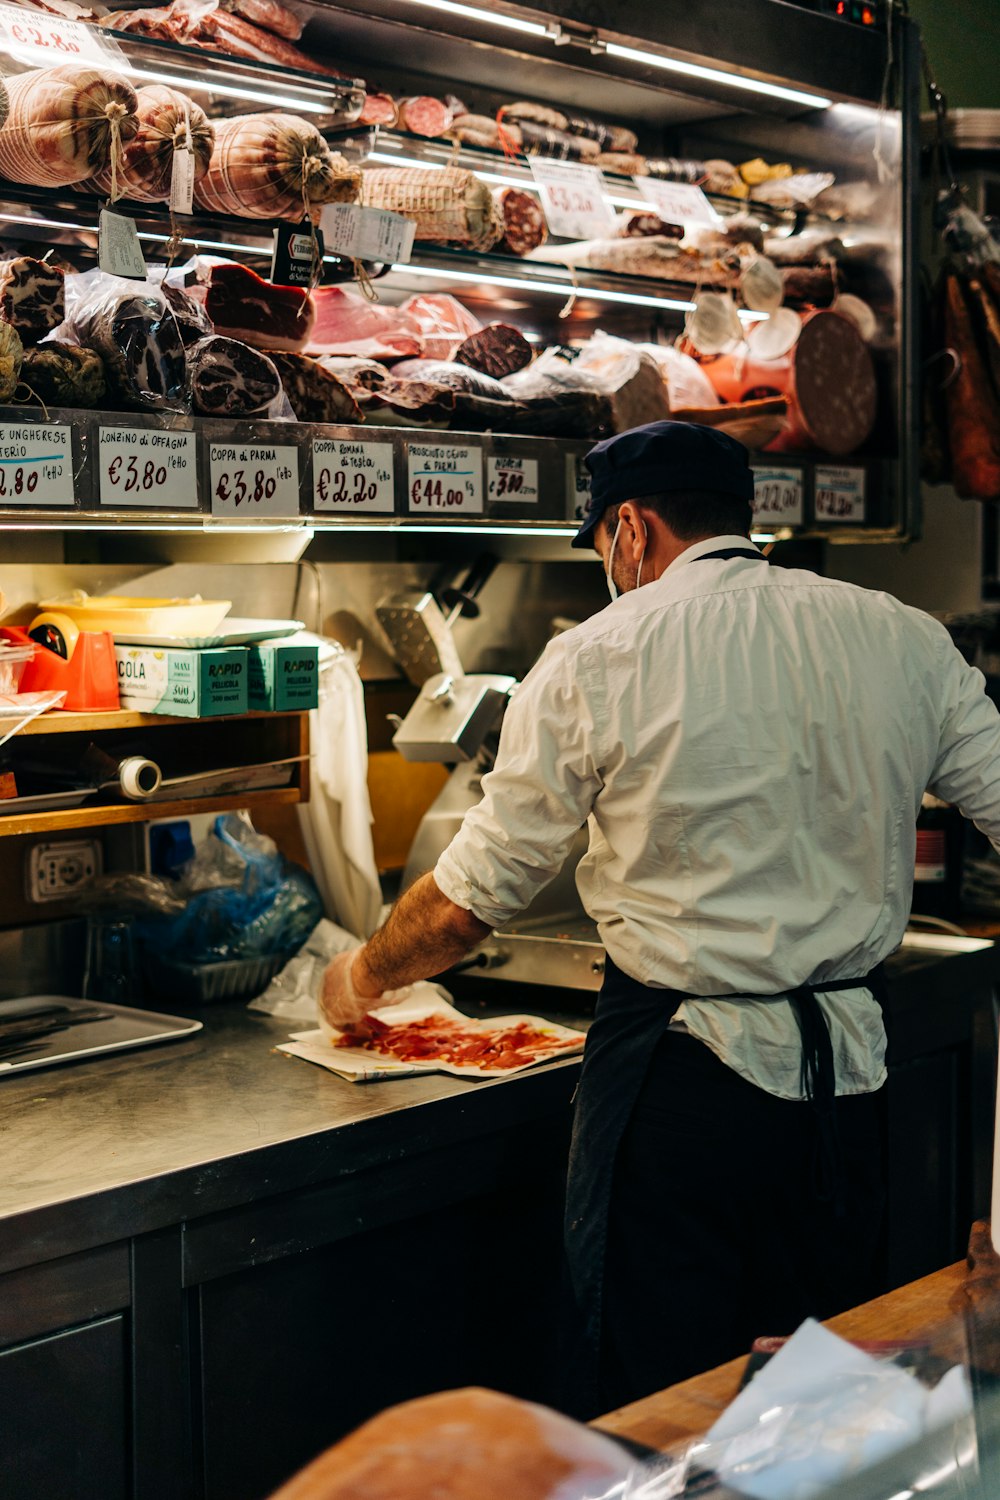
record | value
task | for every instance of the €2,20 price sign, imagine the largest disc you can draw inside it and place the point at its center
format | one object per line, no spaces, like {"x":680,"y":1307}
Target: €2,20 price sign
{"x":355,"y":477}
{"x":444,"y":481}
{"x":573,"y":199}
{"x":254,"y":479}
{"x":148,"y":468}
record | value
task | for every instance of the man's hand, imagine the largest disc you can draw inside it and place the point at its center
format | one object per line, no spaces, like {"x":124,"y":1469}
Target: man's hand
{"x":340,"y":1003}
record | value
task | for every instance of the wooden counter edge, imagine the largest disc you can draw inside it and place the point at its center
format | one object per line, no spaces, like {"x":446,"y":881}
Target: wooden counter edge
{"x":684,"y":1411}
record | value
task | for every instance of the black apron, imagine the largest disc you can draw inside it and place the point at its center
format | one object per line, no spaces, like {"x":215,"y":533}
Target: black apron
{"x":630,"y":1019}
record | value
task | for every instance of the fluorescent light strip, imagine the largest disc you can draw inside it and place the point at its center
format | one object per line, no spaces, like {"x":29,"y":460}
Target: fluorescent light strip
{"x":405,"y":161}
{"x":233,"y":92}
{"x":400,"y":523}
{"x":495,"y":18}
{"x":554,"y":288}
{"x":715,"y":75}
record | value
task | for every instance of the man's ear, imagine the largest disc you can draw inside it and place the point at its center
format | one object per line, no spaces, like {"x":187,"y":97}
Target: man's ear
{"x":635,"y":531}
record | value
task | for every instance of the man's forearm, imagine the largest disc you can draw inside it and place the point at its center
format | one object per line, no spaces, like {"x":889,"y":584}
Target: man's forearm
{"x":424,"y":934}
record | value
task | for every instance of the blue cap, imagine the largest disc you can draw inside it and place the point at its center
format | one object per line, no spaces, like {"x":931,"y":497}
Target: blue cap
{"x":658,"y":457}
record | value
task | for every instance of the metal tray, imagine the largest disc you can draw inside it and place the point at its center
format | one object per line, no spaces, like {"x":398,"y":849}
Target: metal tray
{"x":37,"y":1031}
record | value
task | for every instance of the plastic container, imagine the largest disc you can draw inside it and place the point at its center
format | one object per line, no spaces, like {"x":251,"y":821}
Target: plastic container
{"x":13,"y":660}
{"x":201,"y":984}
{"x":150,"y":616}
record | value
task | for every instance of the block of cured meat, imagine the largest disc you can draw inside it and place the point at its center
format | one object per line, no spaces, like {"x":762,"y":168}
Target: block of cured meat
{"x":137,"y":338}
{"x":378,"y":109}
{"x":972,"y":409}
{"x":316,"y":395}
{"x":229,"y":379}
{"x":481,"y":403}
{"x":207,"y":23}
{"x":244,"y":306}
{"x":496,"y":350}
{"x":464,"y":1443}
{"x":64,"y":374}
{"x":442,"y":322}
{"x":65,"y":124}
{"x":269,"y":14}
{"x":424,"y":115}
{"x":451,"y":207}
{"x":524,"y":226}
{"x":11,"y":358}
{"x":273,"y":166}
{"x":167,"y":121}
{"x":346,"y":323}
{"x":193,"y":322}
{"x":32,"y":297}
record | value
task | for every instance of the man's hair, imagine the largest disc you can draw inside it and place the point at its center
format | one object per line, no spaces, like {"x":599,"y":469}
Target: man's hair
{"x":691,"y":514}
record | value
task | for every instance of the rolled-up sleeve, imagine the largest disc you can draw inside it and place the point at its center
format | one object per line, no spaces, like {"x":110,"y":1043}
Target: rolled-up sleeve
{"x":535,"y":800}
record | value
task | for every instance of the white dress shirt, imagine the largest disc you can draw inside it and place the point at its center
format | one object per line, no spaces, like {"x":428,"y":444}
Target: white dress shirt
{"x":749,"y":745}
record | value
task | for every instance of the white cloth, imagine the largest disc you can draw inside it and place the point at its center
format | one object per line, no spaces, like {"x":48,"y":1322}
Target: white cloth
{"x":750,"y":745}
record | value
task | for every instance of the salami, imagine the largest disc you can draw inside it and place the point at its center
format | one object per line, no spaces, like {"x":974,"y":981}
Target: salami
{"x":624,"y":163}
{"x":379,"y":109}
{"x":229,"y":379}
{"x":973,"y":411}
{"x":32,"y":297}
{"x":481,"y":130}
{"x":644,"y":224}
{"x":11,"y":357}
{"x":524,"y":227}
{"x":425,"y":116}
{"x":496,"y":350}
{"x":536,"y":114}
{"x":316,"y":395}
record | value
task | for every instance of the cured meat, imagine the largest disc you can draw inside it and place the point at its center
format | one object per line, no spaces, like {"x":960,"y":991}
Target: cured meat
{"x":274,"y":166}
{"x":483,"y":130}
{"x":269,"y":14}
{"x":443,"y":322}
{"x":642,"y":225}
{"x":167,"y":122}
{"x":534,"y":114}
{"x":989,"y":320}
{"x":346,"y":323}
{"x":229,"y":379}
{"x":973,"y":410}
{"x":411,"y":403}
{"x":205,"y":23}
{"x":496,"y":350}
{"x":316,"y":395}
{"x":655,"y":256}
{"x":65,"y":124}
{"x":32,"y":297}
{"x":451,"y":207}
{"x":425,"y":116}
{"x":64,"y":375}
{"x":243,"y":306}
{"x":240,"y":39}
{"x":378,"y":109}
{"x":138,"y":340}
{"x":11,"y":358}
{"x":625,"y":163}
{"x":67,"y":8}
{"x":814,"y":286}
{"x":468,"y":1044}
{"x":193,"y":322}
{"x":524,"y":226}
{"x":541,"y":140}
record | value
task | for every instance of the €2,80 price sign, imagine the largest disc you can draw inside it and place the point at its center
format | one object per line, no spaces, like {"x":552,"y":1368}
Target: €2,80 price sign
{"x":47,"y":40}
{"x":254,"y":479}
{"x":36,"y":464}
{"x":444,"y":481}
{"x":148,"y":468}
{"x":354,"y":477}
{"x":777,"y":497}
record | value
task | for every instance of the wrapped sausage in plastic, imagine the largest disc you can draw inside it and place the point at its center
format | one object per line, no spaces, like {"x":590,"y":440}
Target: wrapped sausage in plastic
{"x":130,"y":324}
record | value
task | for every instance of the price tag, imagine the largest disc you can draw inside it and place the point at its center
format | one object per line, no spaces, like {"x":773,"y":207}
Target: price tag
{"x":840,"y":494}
{"x":254,"y":479}
{"x":444,"y":481}
{"x":512,"y":478}
{"x":182,"y":181}
{"x":677,"y":202}
{"x":577,"y":488}
{"x":145,"y":467}
{"x":373,"y":234}
{"x":573,"y":199}
{"x":45,"y":41}
{"x":353,"y":476}
{"x":777,"y":497}
{"x":118,"y":249}
{"x":36,"y":465}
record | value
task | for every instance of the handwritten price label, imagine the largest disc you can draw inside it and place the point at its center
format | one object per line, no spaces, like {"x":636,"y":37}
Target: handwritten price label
{"x":254,"y":480}
{"x":514,"y":479}
{"x":840,"y":494}
{"x":144,"y":467}
{"x":40,"y":39}
{"x":677,"y":202}
{"x":777,"y":497}
{"x":355,"y":477}
{"x":444,"y":481}
{"x":577,"y":488}
{"x":573,"y":199}
{"x":36,"y":465}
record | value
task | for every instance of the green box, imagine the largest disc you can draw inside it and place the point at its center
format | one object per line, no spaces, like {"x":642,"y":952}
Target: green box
{"x":283,"y":676}
{"x":190,"y":683}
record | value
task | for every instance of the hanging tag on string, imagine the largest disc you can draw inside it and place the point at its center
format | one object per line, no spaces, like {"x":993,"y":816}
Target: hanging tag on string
{"x":182,"y":181}
{"x":118,"y":249}
{"x":297,"y":258}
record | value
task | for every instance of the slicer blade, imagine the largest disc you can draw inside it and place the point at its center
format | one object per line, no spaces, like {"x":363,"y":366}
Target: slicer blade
{"x":419,"y":635}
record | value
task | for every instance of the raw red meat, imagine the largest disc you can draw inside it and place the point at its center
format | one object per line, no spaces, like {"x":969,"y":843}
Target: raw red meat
{"x":443,"y":322}
{"x":472,"y":1045}
{"x":347,"y":324}
{"x":243,"y":306}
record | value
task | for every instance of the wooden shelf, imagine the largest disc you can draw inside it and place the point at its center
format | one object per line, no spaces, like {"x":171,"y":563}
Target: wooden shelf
{"x":57,"y":722}
{"x":61,"y":820}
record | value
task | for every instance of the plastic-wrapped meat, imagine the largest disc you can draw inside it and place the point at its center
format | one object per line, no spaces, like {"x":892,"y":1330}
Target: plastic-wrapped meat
{"x":345,"y":323}
{"x":496,"y":350}
{"x":64,"y":374}
{"x":269,"y":14}
{"x":411,"y":403}
{"x":361,"y":376}
{"x":539,"y":140}
{"x":204,"y":23}
{"x":32,"y":297}
{"x":481,"y":404}
{"x":229,"y":379}
{"x":242,"y":305}
{"x":137,"y":338}
{"x":316,"y":394}
{"x":442,"y":322}
{"x":193,"y":322}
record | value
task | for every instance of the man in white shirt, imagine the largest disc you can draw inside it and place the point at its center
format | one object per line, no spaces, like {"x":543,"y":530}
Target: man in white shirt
{"x":749,"y":746}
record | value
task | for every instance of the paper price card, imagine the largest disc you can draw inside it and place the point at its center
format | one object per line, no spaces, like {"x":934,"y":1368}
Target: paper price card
{"x":373,"y":234}
{"x":444,"y":481}
{"x":354,"y":477}
{"x":254,"y":479}
{"x":49,"y":41}
{"x":573,"y":199}
{"x":840,"y":494}
{"x":777,"y":497}
{"x":512,"y":478}
{"x":148,"y":468}
{"x":677,"y":202}
{"x":118,"y":249}
{"x":36,"y":465}
{"x":577,"y":488}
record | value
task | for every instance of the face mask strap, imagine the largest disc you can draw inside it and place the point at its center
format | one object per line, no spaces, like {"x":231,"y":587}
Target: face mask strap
{"x":612,"y":586}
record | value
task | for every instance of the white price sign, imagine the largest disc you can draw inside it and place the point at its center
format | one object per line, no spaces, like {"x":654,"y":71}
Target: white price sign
{"x":677,"y":202}
{"x":254,"y":479}
{"x":36,"y":465}
{"x":47,"y":41}
{"x":577,"y":488}
{"x":840,"y":494}
{"x":777,"y":497}
{"x":573,"y":199}
{"x":374,"y":234}
{"x":512,"y":478}
{"x":352,"y":476}
{"x":444,"y":481}
{"x":145,"y":467}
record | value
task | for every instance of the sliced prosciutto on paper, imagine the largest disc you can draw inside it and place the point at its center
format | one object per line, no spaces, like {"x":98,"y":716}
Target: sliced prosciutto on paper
{"x":347,"y":324}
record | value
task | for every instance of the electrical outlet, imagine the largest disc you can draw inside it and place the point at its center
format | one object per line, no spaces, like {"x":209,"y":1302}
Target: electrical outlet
{"x":54,"y":871}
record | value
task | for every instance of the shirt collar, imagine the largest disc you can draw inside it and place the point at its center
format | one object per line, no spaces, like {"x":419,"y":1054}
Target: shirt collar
{"x":711,"y":544}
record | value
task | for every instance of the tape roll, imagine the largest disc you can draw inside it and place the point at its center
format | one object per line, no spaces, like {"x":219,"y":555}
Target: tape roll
{"x":55,"y":631}
{"x":139,"y":778}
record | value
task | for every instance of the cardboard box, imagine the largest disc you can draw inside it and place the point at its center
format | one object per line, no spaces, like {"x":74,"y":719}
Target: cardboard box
{"x":192,"y":684}
{"x":283,"y":676}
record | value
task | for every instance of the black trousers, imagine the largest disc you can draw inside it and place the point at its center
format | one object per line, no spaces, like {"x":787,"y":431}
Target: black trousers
{"x":716,"y":1236}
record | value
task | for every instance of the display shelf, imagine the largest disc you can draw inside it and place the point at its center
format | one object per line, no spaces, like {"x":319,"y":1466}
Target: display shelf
{"x":59,"y":722}
{"x":142,"y":812}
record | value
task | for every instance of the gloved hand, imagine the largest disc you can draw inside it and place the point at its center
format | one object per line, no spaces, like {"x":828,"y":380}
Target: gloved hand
{"x":341,"y":1008}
